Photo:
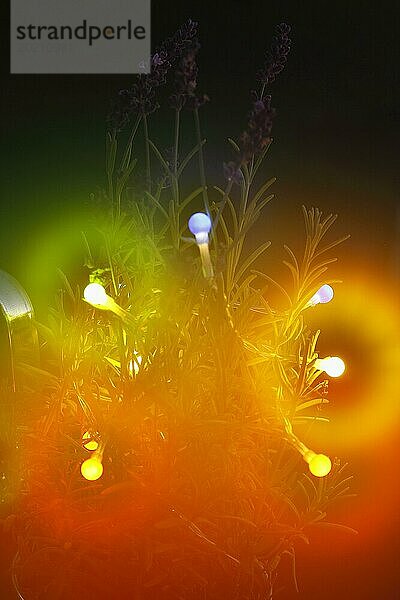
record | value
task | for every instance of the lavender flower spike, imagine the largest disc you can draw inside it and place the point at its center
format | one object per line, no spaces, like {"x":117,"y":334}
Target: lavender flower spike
{"x":276,"y":58}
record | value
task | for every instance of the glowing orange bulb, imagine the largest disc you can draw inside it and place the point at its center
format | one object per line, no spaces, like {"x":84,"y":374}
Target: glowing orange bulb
{"x":320,"y":465}
{"x":91,"y":444}
{"x":332,"y":365}
{"x":92,"y":469}
{"x":95,"y":294}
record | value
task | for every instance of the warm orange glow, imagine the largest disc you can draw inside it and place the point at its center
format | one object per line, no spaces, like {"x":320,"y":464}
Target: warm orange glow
{"x":366,"y":408}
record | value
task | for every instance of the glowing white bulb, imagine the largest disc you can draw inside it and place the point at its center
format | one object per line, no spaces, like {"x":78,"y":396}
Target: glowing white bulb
{"x":332,"y":365}
{"x":95,"y":294}
{"x":200,"y":225}
{"x":322,"y":296}
{"x":134,"y":364}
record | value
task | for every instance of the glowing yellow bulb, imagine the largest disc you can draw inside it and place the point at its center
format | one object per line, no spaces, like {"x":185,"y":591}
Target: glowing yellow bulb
{"x":320,"y":465}
{"x":91,"y":444}
{"x":332,"y":365}
{"x":95,"y":294}
{"x":92,"y":469}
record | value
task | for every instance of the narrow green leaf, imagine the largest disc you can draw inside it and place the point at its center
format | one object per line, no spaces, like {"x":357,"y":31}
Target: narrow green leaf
{"x":234,"y":145}
{"x":189,"y":199}
{"x":250,"y":259}
{"x":160,"y":158}
{"x":157,"y":204}
{"x":189,"y":157}
{"x":337,"y":526}
{"x":309,"y":403}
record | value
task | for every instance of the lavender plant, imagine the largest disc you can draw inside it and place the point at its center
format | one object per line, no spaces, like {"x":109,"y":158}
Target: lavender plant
{"x":196,"y":390}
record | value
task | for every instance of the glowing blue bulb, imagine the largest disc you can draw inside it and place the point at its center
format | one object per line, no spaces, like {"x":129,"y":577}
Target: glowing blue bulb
{"x":324,"y":295}
{"x":200,"y":225}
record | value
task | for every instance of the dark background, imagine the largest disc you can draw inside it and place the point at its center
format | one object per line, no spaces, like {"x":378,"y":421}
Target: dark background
{"x":335,"y":147}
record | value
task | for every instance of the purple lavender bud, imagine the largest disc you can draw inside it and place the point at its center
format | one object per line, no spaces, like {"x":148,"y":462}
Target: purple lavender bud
{"x":276,"y":58}
{"x":141,"y":98}
{"x":258,"y":132}
{"x":232,"y":172}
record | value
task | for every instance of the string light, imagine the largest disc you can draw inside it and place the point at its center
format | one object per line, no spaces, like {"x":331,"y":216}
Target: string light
{"x":96,"y":295}
{"x":92,"y":468}
{"x":89,"y":442}
{"x":200,"y":225}
{"x":319,"y":464}
{"x":322,"y":296}
{"x":332,"y":365}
